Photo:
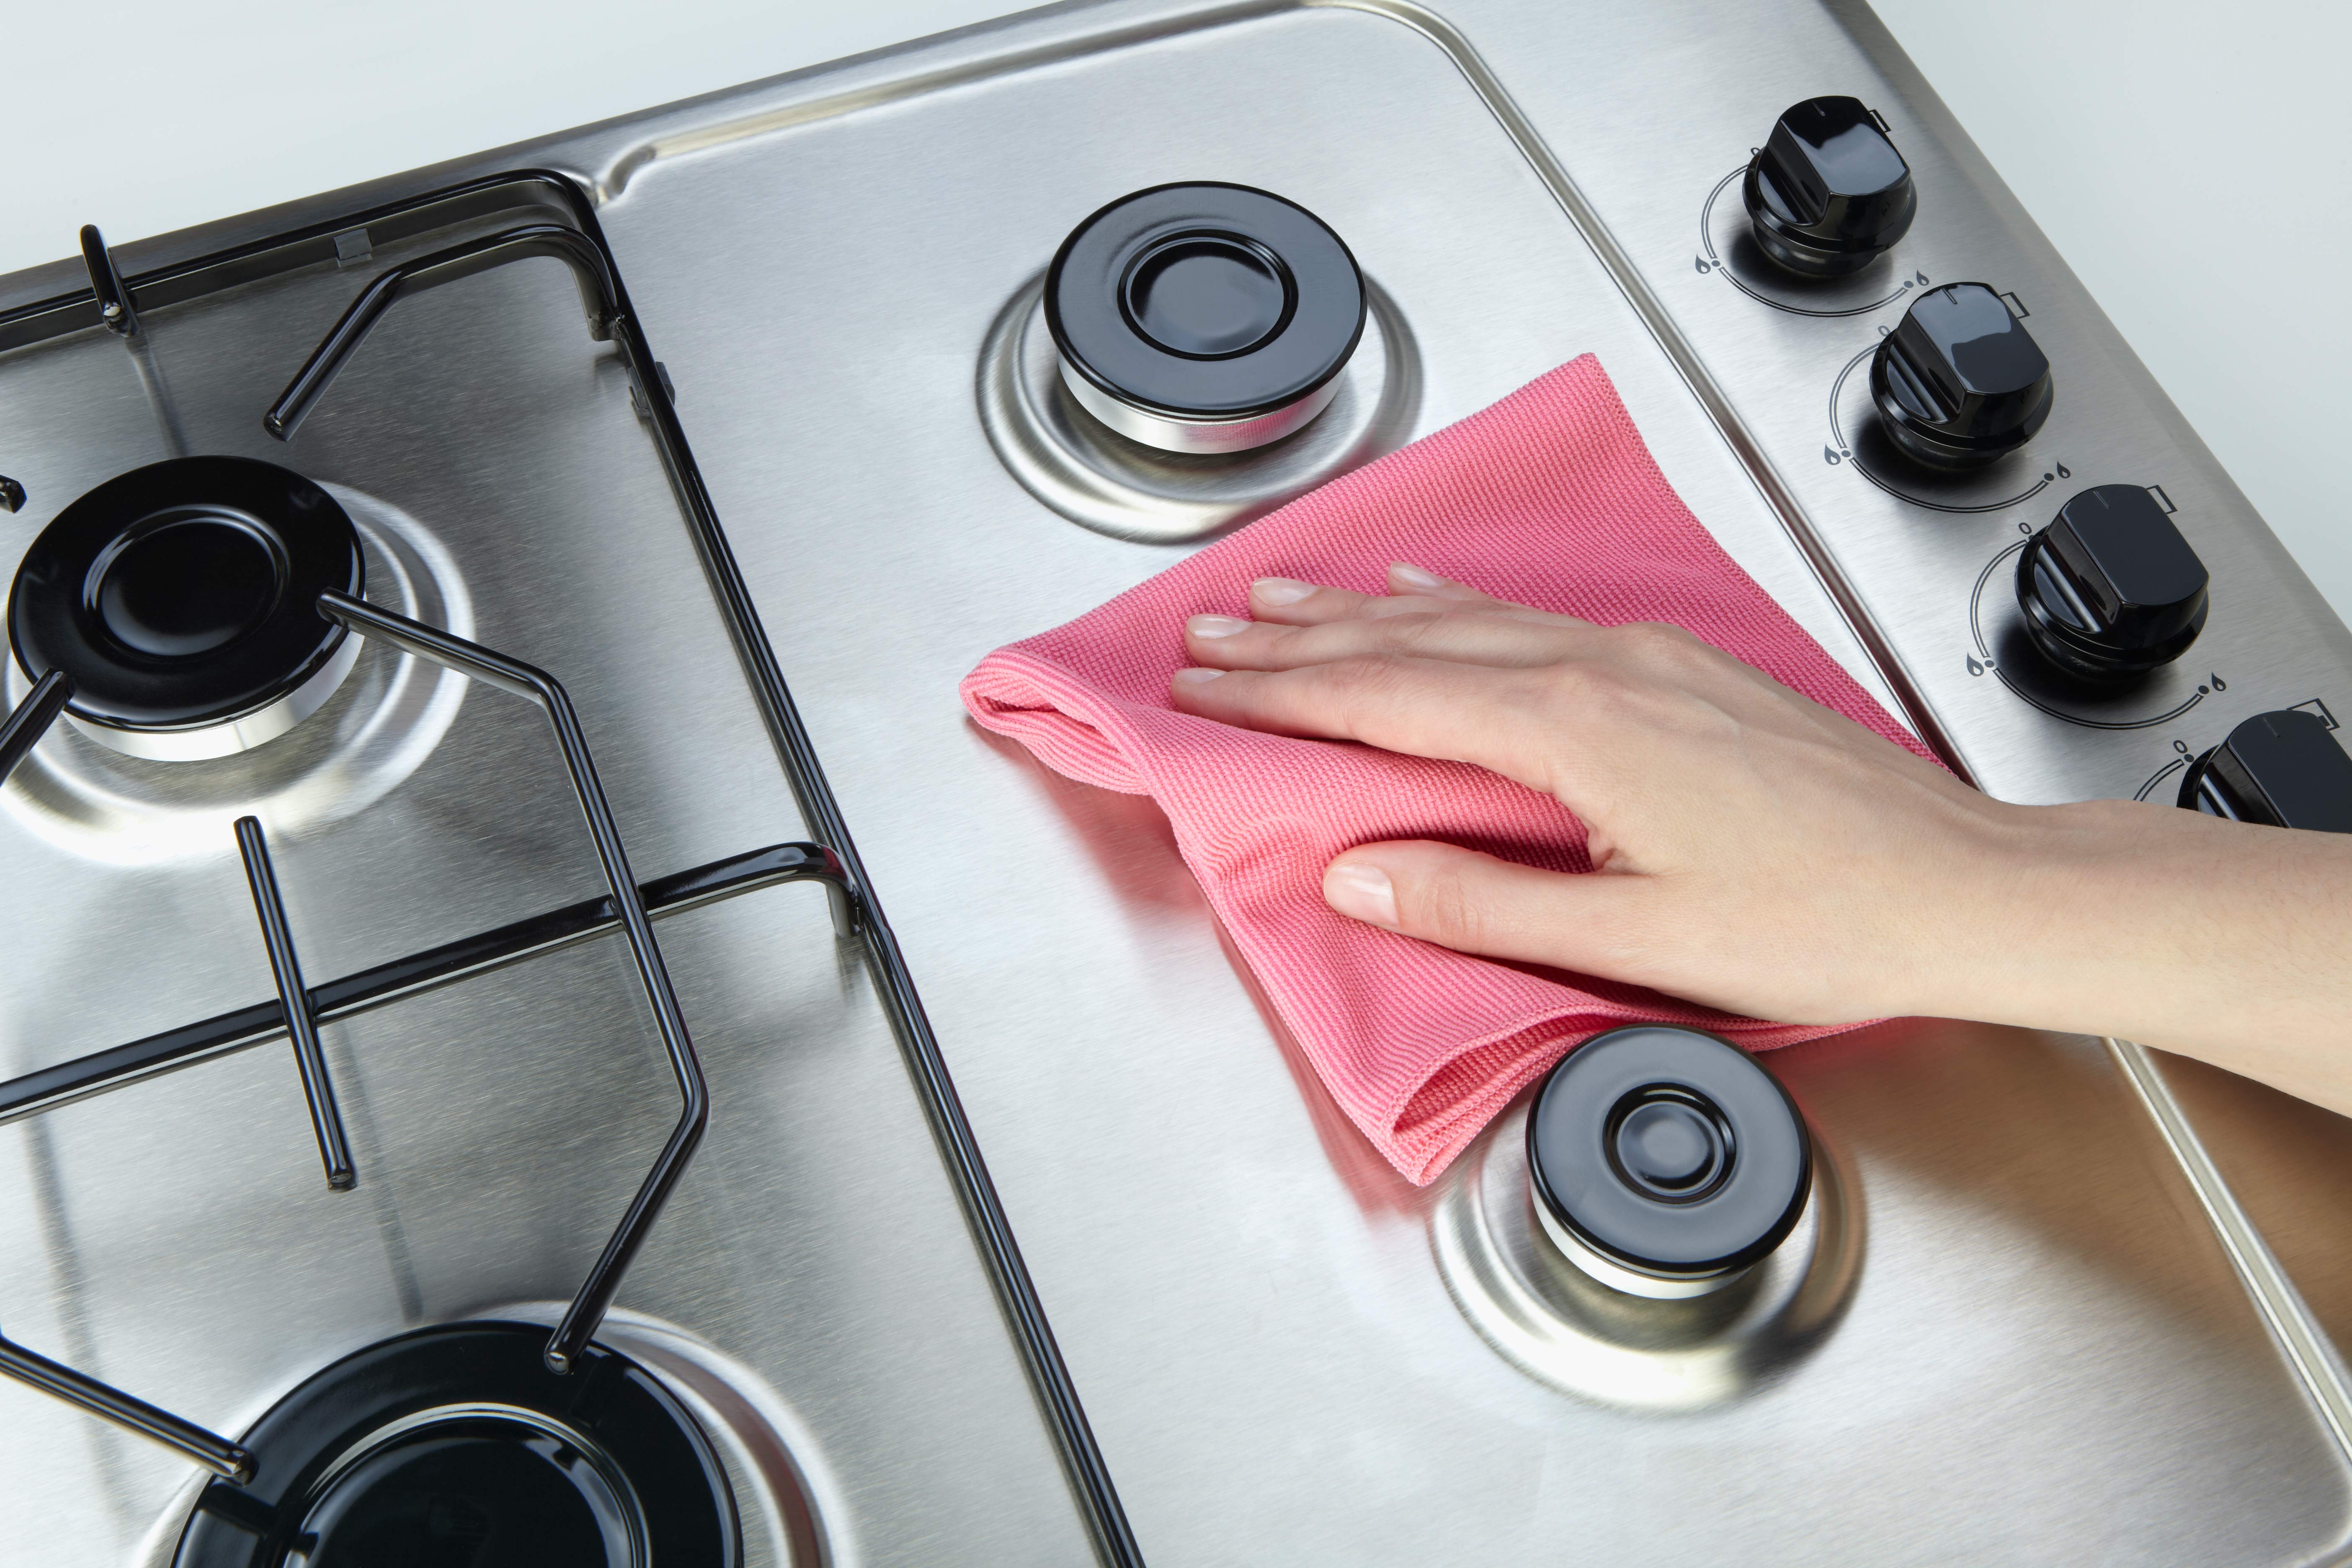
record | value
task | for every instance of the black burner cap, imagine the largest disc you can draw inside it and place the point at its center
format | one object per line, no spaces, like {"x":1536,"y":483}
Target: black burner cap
{"x":456,"y":1444}
{"x":1669,"y":1151}
{"x":1206,"y":300}
{"x":182,"y":594}
{"x":475,"y":1489}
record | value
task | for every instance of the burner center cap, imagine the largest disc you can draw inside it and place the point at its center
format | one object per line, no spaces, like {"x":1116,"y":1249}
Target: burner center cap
{"x":478,"y":1489}
{"x":1669,"y":1144}
{"x":1208,"y":295}
{"x":187,"y":581}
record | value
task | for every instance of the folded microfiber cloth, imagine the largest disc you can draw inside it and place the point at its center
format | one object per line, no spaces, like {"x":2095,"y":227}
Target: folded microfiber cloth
{"x":1547,"y":499}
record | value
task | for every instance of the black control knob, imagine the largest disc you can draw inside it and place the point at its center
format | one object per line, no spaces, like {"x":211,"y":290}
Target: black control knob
{"x":1961,"y":382}
{"x":1829,"y":194}
{"x":2110,"y":590}
{"x":1666,"y":1162}
{"x":2284,"y":770}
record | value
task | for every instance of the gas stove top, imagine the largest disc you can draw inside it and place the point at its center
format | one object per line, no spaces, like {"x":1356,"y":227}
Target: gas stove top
{"x":619,"y":513}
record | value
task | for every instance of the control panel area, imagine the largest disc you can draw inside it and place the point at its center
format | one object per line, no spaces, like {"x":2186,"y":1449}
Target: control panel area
{"x":2079,"y":602}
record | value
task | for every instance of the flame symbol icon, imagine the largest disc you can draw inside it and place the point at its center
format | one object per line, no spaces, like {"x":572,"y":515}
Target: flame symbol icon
{"x":2065,"y":473}
{"x":1700,"y":262}
{"x":1974,"y":668}
{"x":1920,"y":279}
{"x":1830,"y":456}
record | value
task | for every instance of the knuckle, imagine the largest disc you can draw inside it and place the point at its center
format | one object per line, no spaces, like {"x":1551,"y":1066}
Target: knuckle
{"x":1442,"y":904}
{"x":1364,"y":676}
{"x":1408,"y":633}
{"x":1659,"y":641}
{"x":1686,"y":659}
{"x":1591,"y":691}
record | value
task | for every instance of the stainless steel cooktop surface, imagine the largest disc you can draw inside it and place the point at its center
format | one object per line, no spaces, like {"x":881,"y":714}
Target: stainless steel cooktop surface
{"x":1132,"y":1287}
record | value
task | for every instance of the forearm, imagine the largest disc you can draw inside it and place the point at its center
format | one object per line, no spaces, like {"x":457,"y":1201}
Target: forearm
{"x":2219,"y":941}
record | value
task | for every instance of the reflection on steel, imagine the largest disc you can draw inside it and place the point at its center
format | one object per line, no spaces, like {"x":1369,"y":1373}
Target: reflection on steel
{"x":510,"y":675}
{"x":214,"y":1452}
{"x":566,"y":244}
{"x":294,"y":999}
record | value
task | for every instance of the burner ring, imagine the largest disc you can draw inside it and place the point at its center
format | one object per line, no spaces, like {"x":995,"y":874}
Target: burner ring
{"x":1664,"y":1161}
{"x":445,"y":1476}
{"x":1204,"y":316}
{"x":179,"y":597}
{"x":461,"y":1437}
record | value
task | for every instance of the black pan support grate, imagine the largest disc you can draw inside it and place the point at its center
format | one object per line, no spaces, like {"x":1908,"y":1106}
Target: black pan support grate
{"x":567,"y":230}
{"x":298,"y":1009}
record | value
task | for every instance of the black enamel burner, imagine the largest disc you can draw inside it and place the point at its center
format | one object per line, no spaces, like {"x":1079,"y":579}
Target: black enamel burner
{"x":1204,"y":316}
{"x":458,"y":1446}
{"x":1666,"y":1162}
{"x":180,"y":599}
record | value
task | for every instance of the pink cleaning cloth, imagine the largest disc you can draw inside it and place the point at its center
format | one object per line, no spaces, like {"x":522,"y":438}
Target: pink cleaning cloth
{"x":1547,"y":499}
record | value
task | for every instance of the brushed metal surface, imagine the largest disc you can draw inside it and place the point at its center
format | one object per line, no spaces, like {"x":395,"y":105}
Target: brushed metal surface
{"x":2048,"y":1355}
{"x":2291,"y":1164}
{"x":174,"y":1237}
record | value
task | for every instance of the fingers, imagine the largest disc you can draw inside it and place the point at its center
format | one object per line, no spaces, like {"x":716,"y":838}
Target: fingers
{"x":1298,"y":623}
{"x":1413,"y":590}
{"x":1475,"y":903}
{"x":1286,"y":601}
{"x":1521,"y":638}
{"x":1428,"y":707}
{"x":1406,"y":578}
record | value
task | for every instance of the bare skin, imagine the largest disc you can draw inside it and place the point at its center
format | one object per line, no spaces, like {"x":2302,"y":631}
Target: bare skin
{"x":1757,"y":852}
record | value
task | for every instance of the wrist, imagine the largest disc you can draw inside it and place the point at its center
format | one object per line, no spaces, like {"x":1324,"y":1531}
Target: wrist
{"x":2053,"y":915}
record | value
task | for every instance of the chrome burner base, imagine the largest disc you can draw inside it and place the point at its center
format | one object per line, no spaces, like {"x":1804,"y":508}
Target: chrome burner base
{"x":244,"y":733}
{"x":1566,"y":1329}
{"x":1102,"y":480}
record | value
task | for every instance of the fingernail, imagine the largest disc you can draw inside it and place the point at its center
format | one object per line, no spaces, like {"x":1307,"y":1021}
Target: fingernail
{"x":1281,"y":590}
{"x":1360,"y":892}
{"x":1216,"y":626}
{"x":1412,"y":576}
{"x":1196,"y":677}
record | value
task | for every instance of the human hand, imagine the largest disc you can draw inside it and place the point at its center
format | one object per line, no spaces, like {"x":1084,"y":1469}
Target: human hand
{"x":1756,"y":852}
{"x":1752,"y":848}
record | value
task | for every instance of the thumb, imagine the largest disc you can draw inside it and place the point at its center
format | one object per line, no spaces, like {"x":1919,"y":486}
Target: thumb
{"x":1476,"y":903}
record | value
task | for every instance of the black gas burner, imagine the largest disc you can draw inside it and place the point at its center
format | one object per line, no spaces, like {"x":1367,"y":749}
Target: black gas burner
{"x":457,"y":1447}
{"x":1204,"y":316}
{"x":181,"y":598}
{"x":1666,"y":1162}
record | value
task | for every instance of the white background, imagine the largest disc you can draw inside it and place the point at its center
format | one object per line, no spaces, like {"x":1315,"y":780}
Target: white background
{"x":2192,"y":162}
